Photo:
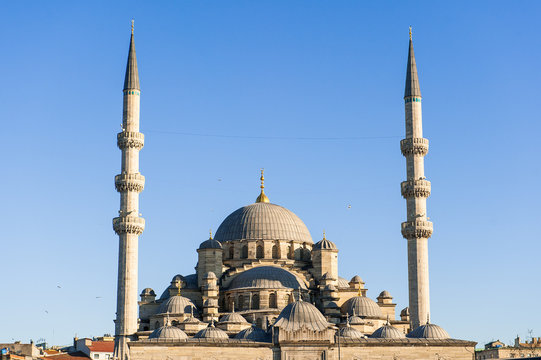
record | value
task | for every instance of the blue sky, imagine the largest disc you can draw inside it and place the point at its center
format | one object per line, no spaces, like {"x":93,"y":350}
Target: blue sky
{"x":266,"y":84}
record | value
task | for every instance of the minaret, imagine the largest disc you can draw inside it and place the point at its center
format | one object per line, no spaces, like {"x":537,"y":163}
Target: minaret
{"x":417,"y":229}
{"x":128,"y":225}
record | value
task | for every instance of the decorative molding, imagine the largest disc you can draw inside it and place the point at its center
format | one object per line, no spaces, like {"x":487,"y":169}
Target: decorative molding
{"x":129,"y":182}
{"x":414,"y":146}
{"x":129,"y":225}
{"x":130,"y":139}
{"x":418,"y":229}
{"x":415,"y":188}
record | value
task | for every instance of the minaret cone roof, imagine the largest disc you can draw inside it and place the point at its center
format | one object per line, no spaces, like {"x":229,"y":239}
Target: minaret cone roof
{"x":412,"y":80}
{"x":131,"y":81}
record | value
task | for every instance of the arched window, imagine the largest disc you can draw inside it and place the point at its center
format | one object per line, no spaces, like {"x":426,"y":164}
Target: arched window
{"x":255,"y":302}
{"x":259,"y":252}
{"x":157,"y":325}
{"x":240,"y":303}
{"x":174,"y":323}
{"x":306,"y":254}
{"x":145,"y":328}
{"x":290,"y":253}
{"x":272,"y":301}
{"x":275,"y":252}
{"x":244,"y":254}
{"x":259,"y":323}
{"x":231,"y":252}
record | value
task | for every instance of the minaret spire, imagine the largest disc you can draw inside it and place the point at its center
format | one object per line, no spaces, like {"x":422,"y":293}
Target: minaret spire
{"x":128,"y":225}
{"x":416,"y":189}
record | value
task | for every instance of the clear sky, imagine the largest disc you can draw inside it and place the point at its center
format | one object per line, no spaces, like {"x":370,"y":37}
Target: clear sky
{"x":311,"y":91}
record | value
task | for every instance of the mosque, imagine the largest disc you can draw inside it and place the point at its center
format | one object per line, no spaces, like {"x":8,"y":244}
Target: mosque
{"x":263,"y":288}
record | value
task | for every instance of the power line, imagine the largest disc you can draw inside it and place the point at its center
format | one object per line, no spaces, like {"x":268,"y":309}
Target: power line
{"x":272,"y":137}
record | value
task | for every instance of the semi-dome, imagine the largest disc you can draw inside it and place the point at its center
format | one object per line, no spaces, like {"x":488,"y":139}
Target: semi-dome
{"x":252,"y":333}
{"x":342,"y":283}
{"x":267,"y":277}
{"x":233,"y":318}
{"x":428,"y":331}
{"x":363,"y":307}
{"x":263,"y":221}
{"x":350,"y":333}
{"x":299,"y":315}
{"x":168,"y":333}
{"x":177,"y":305}
{"x":211,"y":332}
{"x":387,"y":331}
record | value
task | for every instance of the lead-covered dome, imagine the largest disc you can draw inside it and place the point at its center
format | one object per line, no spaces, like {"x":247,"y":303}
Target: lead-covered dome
{"x":301,"y":315}
{"x":168,"y":333}
{"x":387,"y":331}
{"x":252,"y":333}
{"x":211,"y":332}
{"x":429,"y":331}
{"x":177,"y":305}
{"x":267,"y":277}
{"x":263,"y":221}
{"x":363,"y":307}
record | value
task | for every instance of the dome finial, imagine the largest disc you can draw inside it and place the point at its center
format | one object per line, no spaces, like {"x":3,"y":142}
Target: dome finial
{"x":132,"y":22}
{"x":410,"y":33}
{"x":262,"y":197}
{"x":178,"y":290}
{"x":324,"y":238}
{"x":359,"y":293}
{"x":210,"y":233}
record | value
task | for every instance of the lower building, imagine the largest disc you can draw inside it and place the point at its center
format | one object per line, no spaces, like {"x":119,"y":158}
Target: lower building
{"x":519,"y":350}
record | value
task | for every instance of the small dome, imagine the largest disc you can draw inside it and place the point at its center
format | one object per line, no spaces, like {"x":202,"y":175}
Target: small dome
{"x":176,"y":278}
{"x":263,"y":221}
{"x":363,"y":307}
{"x":210,"y":244}
{"x":148,"y":292}
{"x":342,"y":283}
{"x":350,"y":333}
{"x":356,"y":320}
{"x":385,"y":295}
{"x":356,"y":279}
{"x":327,"y":276}
{"x":267,"y":277}
{"x":324,"y":245}
{"x":169,"y":333}
{"x":190,"y":282}
{"x":329,"y":287}
{"x":252,"y":333}
{"x":211,"y":332}
{"x":428,"y":331}
{"x":299,"y":315}
{"x":387,"y":331}
{"x":405,"y":312}
{"x":177,"y":305}
{"x":233,"y":318}
{"x":191,"y":320}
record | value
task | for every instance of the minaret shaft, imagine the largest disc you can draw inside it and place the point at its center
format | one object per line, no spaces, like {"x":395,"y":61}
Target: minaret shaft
{"x":128,"y":225}
{"x":417,"y":229}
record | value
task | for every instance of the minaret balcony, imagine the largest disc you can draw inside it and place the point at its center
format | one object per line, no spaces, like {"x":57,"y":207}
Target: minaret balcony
{"x":129,"y":225}
{"x":418,"y":229}
{"x":415,"y":188}
{"x":130,"y":139}
{"x":414,"y":146}
{"x":129,"y":182}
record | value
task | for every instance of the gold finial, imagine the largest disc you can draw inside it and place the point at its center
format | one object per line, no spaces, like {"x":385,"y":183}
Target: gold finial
{"x":324,"y":238}
{"x":360,"y":293}
{"x":210,"y":232}
{"x":262,"y":197}
{"x":178,"y":291}
{"x":410,"y":32}
{"x":132,"y":21}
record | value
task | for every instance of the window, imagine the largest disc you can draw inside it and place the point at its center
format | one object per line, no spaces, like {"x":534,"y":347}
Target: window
{"x":255,"y":302}
{"x":231,"y":252}
{"x":275,"y":252}
{"x":272,"y":301}
{"x":290,"y":252}
{"x":244,"y":254}
{"x":240,"y":304}
{"x":96,"y":356}
{"x":259,"y":252}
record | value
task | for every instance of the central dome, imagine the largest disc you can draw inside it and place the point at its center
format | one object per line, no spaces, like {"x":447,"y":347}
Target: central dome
{"x":263,"y":221}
